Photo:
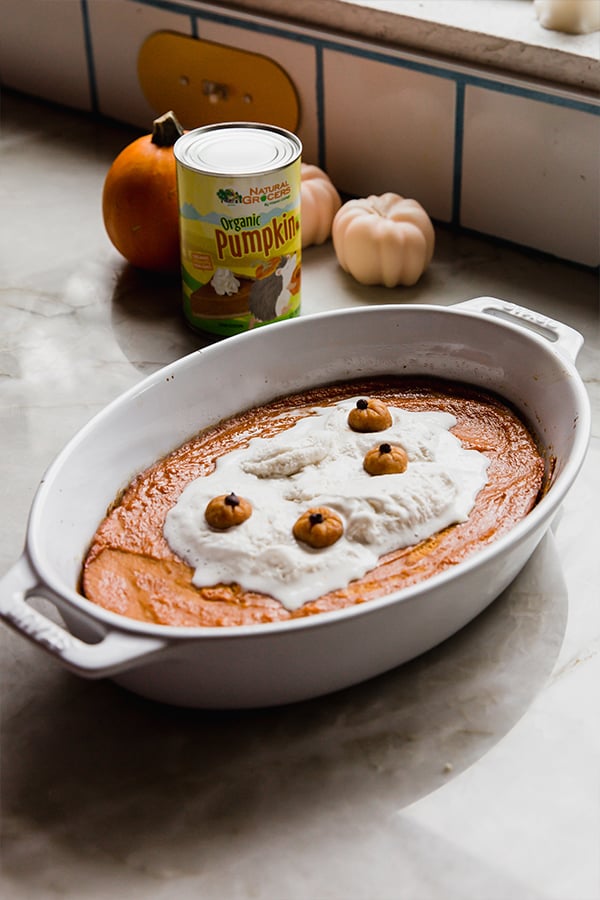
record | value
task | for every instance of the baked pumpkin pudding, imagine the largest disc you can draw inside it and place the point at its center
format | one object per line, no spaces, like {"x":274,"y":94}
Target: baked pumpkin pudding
{"x":315,"y":502}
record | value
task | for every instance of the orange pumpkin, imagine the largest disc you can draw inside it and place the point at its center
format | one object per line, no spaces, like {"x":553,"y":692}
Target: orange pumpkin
{"x":139,"y":200}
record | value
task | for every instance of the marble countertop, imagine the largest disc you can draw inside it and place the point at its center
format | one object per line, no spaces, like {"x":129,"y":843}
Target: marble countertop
{"x":471,"y":772}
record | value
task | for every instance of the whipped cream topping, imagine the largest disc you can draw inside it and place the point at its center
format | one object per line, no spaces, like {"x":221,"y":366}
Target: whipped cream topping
{"x":318,"y":461}
{"x":224,"y":282}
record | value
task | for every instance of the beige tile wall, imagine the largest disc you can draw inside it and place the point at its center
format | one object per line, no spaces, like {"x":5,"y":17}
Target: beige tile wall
{"x":498,"y":155}
{"x":530,"y":173}
{"x":397,"y":127}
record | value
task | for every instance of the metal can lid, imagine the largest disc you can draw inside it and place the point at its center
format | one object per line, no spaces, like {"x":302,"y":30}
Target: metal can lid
{"x":237,"y":148}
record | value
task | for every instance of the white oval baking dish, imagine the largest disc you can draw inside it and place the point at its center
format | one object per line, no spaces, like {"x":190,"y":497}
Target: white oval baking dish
{"x":526,"y":358}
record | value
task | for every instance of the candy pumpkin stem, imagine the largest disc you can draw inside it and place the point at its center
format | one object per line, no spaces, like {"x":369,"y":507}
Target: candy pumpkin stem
{"x":166,"y":129}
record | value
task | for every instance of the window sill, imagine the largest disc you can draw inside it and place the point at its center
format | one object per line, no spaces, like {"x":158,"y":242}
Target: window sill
{"x":502,"y":34}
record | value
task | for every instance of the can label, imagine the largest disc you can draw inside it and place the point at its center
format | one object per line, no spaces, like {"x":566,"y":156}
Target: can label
{"x":240,"y":242}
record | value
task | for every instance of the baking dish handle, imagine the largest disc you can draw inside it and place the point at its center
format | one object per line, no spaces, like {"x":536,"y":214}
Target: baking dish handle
{"x":566,"y":339}
{"x":115,"y":651}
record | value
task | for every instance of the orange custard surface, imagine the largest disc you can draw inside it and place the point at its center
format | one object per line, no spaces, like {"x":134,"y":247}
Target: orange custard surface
{"x":131,"y":570}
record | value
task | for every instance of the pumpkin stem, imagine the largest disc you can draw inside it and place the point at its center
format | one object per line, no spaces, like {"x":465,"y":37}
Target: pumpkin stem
{"x":166,"y":129}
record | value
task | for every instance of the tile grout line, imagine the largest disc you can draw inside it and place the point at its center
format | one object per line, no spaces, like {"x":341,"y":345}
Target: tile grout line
{"x":89,"y":56}
{"x":459,"y":119}
{"x":320,"y":101}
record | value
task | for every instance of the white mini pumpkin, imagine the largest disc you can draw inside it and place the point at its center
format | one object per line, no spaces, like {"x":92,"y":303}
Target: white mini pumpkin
{"x":319,"y":203}
{"x":384,"y":239}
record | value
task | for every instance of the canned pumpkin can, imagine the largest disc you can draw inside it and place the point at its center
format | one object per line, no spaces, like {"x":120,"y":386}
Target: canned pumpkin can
{"x":239,"y":212}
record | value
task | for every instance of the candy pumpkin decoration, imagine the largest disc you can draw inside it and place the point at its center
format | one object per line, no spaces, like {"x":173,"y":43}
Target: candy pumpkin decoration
{"x":383,"y":239}
{"x":227,"y":510}
{"x":319,"y":203}
{"x":318,"y":527}
{"x":386,"y":459}
{"x":139,"y":200}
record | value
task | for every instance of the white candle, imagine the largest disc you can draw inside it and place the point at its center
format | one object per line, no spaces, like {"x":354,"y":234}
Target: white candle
{"x":572,"y":16}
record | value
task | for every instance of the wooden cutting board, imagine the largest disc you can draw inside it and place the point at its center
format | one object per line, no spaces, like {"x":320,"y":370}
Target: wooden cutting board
{"x":205,"y":83}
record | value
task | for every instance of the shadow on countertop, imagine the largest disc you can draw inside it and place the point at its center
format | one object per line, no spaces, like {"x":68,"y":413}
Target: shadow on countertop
{"x":147,"y":319}
{"x":94,"y":774}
